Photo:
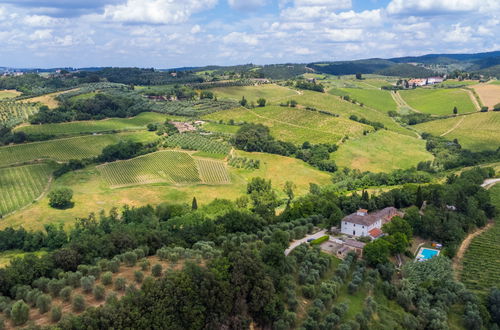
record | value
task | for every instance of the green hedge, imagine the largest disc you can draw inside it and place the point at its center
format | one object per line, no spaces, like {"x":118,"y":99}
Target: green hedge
{"x":320,"y":240}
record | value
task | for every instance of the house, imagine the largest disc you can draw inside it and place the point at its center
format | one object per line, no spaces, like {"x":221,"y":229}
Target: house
{"x":417,"y":82}
{"x":362,"y":223}
{"x":434,"y":80}
{"x":183,"y":127}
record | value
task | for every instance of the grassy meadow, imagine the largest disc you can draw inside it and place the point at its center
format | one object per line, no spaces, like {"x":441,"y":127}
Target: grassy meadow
{"x":269,"y":91}
{"x":478,"y":131}
{"x":381,"y":151}
{"x":374,"y":98}
{"x":438,"y":101}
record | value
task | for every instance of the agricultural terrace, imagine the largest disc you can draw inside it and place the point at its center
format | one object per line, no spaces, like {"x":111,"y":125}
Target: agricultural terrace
{"x":375,"y":98}
{"x":163,"y":167}
{"x":439,"y":101}
{"x":478,"y":131}
{"x":13,"y":113}
{"x":96,"y":126}
{"x":66,"y":149}
{"x":9,"y":93}
{"x":382,"y":151}
{"x":488,"y":93}
{"x":295,"y":125}
{"x":270,"y":92}
{"x":193,"y":141}
{"x":221,"y":128}
{"x":481,"y":264}
{"x":48,"y":99}
{"x":19,"y":186}
{"x":92,"y":193}
{"x":333,"y":104}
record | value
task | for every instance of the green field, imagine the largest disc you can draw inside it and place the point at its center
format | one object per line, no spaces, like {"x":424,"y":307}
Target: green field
{"x":382,"y":151}
{"x":454,"y":82}
{"x":221,"y":128}
{"x":8,"y":94}
{"x":438,"y":101}
{"x":13,"y":113}
{"x":193,"y":141}
{"x":19,"y":186}
{"x":481,"y":264}
{"x":66,"y":149}
{"x":478,"y":131}
{"x":495,"y":82}
{"x":294,"y":124}
{"x":164,"y":167}
{"x":270,"y":92}
{"x":375,"y":98}
{"x":96,"y":126}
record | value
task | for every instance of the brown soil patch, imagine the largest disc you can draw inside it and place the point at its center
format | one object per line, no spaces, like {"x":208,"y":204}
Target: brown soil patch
{"x":488,"y":93}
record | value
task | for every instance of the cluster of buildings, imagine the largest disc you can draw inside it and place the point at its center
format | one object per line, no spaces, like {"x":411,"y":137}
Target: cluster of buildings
{"x":425,"y":82}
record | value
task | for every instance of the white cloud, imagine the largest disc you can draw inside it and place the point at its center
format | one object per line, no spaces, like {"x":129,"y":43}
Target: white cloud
{"x":459,"y":34}
{"x":41,"y":34}
{"x":156,"y":11}
{"x":342,"y":35}
{"x":246,"y":4}
{"x":437,"y":7}
{"x":241,"y":37}
{"x":330,"y":4}
{"x":40,"y":20}
{"x":196,"y":29}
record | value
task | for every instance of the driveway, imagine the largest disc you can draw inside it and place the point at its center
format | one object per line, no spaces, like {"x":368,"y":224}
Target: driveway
{"x":489,"y":182}
{"x":296,"y":243}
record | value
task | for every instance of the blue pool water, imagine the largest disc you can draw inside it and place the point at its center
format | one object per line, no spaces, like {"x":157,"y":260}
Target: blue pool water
{"x":426,"y":254}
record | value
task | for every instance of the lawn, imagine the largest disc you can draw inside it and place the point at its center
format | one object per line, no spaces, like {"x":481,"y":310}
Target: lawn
{"x":295,"y":125}
{"x":92,"y":193}
{"x":270,"y":92}
{"x":96,"y":126}
{"x":438,"y":101}
{"x":382,"y":151}
{"x":478,"y":131}
{"x":375,"y":98}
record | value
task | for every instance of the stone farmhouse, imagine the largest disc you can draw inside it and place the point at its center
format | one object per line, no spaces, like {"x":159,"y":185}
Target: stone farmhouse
{"x":362,"y":223}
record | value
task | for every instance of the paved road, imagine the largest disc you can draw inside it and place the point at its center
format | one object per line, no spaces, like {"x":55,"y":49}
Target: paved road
{"x":488,"y":182}
{"x":304,"y":240}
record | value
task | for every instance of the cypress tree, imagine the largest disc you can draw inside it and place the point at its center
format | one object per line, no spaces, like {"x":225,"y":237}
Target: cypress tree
{"x":194,"y":204}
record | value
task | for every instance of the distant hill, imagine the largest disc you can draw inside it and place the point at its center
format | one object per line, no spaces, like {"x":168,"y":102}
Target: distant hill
{"x":406,"y":70}
{"x":445,"y":58}
{"x":351,"y":67}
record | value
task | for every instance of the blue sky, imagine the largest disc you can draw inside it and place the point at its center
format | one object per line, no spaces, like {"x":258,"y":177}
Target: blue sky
{"x":174,"y":33}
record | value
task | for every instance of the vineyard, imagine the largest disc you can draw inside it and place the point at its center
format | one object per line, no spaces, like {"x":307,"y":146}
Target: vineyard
{"x":90,"y":88}
{"x":163,"y":167}
{"x":13,"y":113}
{"x":481,"y":264}
{"x":61,"y":149}
{"x":194,"y":108}
{"x":19,"y":186}
{"x":193,"y":141}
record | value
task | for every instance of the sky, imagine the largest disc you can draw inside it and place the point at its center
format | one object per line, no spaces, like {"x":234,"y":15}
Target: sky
{"x":178,"y":33}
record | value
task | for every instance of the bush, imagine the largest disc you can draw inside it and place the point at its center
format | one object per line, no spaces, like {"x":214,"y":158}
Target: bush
{"x":61,"y":198}
{"x":120,"y":284}
{"x":107,"y":278}
{"x":320,"y":240}
{"x":32,"y":296}
{"x":138,"y":276}
{"x":157,"y":270}
{"x":55,"y":287}
{"x":2,"y":324}
{"x":20,"y":313}
{"x":55,"y":314}
{"x":145,"y":264}
{"x":73,"y":279}
{"x":87,"y":283}
{"x":78,"y":303}
{"x":99,"y":292}
{"x":43,"y":303}
{"x":114,"y":266}
{"x":130,"y":259}
{"x":95,"y":271}
{"x":66,"y":293}
{"x":309,"y":291}
{"x":41,"y":284}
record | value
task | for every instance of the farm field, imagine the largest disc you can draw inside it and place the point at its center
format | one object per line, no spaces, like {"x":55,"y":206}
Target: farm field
{"x":455,"y":82}
{"x":174,"y":167}
{"x":21,"y":185}
{"x":488,"y":93}
{"x":438,"y":101}
{"x":8,"y":93}
{"x":270,"y":92}
{"x":47,"y":99}
{"x":66,"y":149}
{"x":96,"y":126}
{"x":381,"y":151}
{"x":192,"y":141}
{"x":294,"y":124}
{"x":375,"y":98}
{"x":221,"y":128}
{"x":481,"y":264}
{"x":13,"y":113}
{"x":92,"y":193}
{"x":478,"y":131}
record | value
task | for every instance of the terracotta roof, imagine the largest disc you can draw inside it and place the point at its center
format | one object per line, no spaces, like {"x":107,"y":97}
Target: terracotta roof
{"x":375,"y":232}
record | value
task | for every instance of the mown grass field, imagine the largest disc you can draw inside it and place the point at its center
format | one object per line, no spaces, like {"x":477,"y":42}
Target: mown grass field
{"x":478,"y":131}
{"x":96,"y":126}
{"x":174,"y":167}
{"x":382,"y":151}
{"x":481,"y":264}
{"x":270,"y":92}
{"x":66,"y":149}
{"x":375,"y":98}
{"x":21,"y":185}
{"x":92,"y":193}
{"x":8,"y":94}
{"x":294,"y":124}
{"x":438,"y":101}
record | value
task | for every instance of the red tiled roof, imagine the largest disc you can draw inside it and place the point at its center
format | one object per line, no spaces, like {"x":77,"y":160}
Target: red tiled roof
{"x":375,"y":232}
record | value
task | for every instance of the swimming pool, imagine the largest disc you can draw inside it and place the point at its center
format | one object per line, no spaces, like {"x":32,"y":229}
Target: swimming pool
{"x":426,"y":254}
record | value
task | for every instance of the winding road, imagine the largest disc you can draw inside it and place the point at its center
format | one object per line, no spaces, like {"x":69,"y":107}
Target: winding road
{"x":296,"y":243}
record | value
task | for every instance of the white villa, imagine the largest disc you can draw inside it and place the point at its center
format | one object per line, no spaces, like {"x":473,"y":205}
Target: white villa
{"x":361,"y":223}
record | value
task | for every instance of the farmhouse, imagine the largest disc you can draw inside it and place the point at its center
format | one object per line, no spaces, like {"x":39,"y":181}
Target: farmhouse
{"x":417,"y":82}
{"x":434,"y":80}
{"x":183,"y":127}
{"x":361,"y":223}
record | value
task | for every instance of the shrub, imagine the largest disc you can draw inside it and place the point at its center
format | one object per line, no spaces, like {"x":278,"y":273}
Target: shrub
{"x":145,"y":264}
{"x":157,"y":270}
{"x":120,"y":284}
{"x":309,"y":291}
{"x":43,"y":303}
{"x":41,"y":284}
{"x":55,"y":287}
{"x":78,"y":303}
{"x":99,"y":292}
{"x":87,"y":283}
{"x":66,"y":293}
{"x":2,"y":324}
{"x":73,"y":279}
{"x":32,"y":296}
{"x":320,"y":240}
{"x":111,"y":298}
{"x":61,"y":198}
{"x":107,"y":278}
{"x":84,"y":269}
{"x":20,"y":313}
{"x":114,"y":266}
{"x":138,"y":276}
{"x":55,"y":314}
{"x":130,"y":259}
{"x":95,"y":271}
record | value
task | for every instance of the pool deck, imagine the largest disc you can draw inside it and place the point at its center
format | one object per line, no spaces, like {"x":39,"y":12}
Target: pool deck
{"x":422,"y":257}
